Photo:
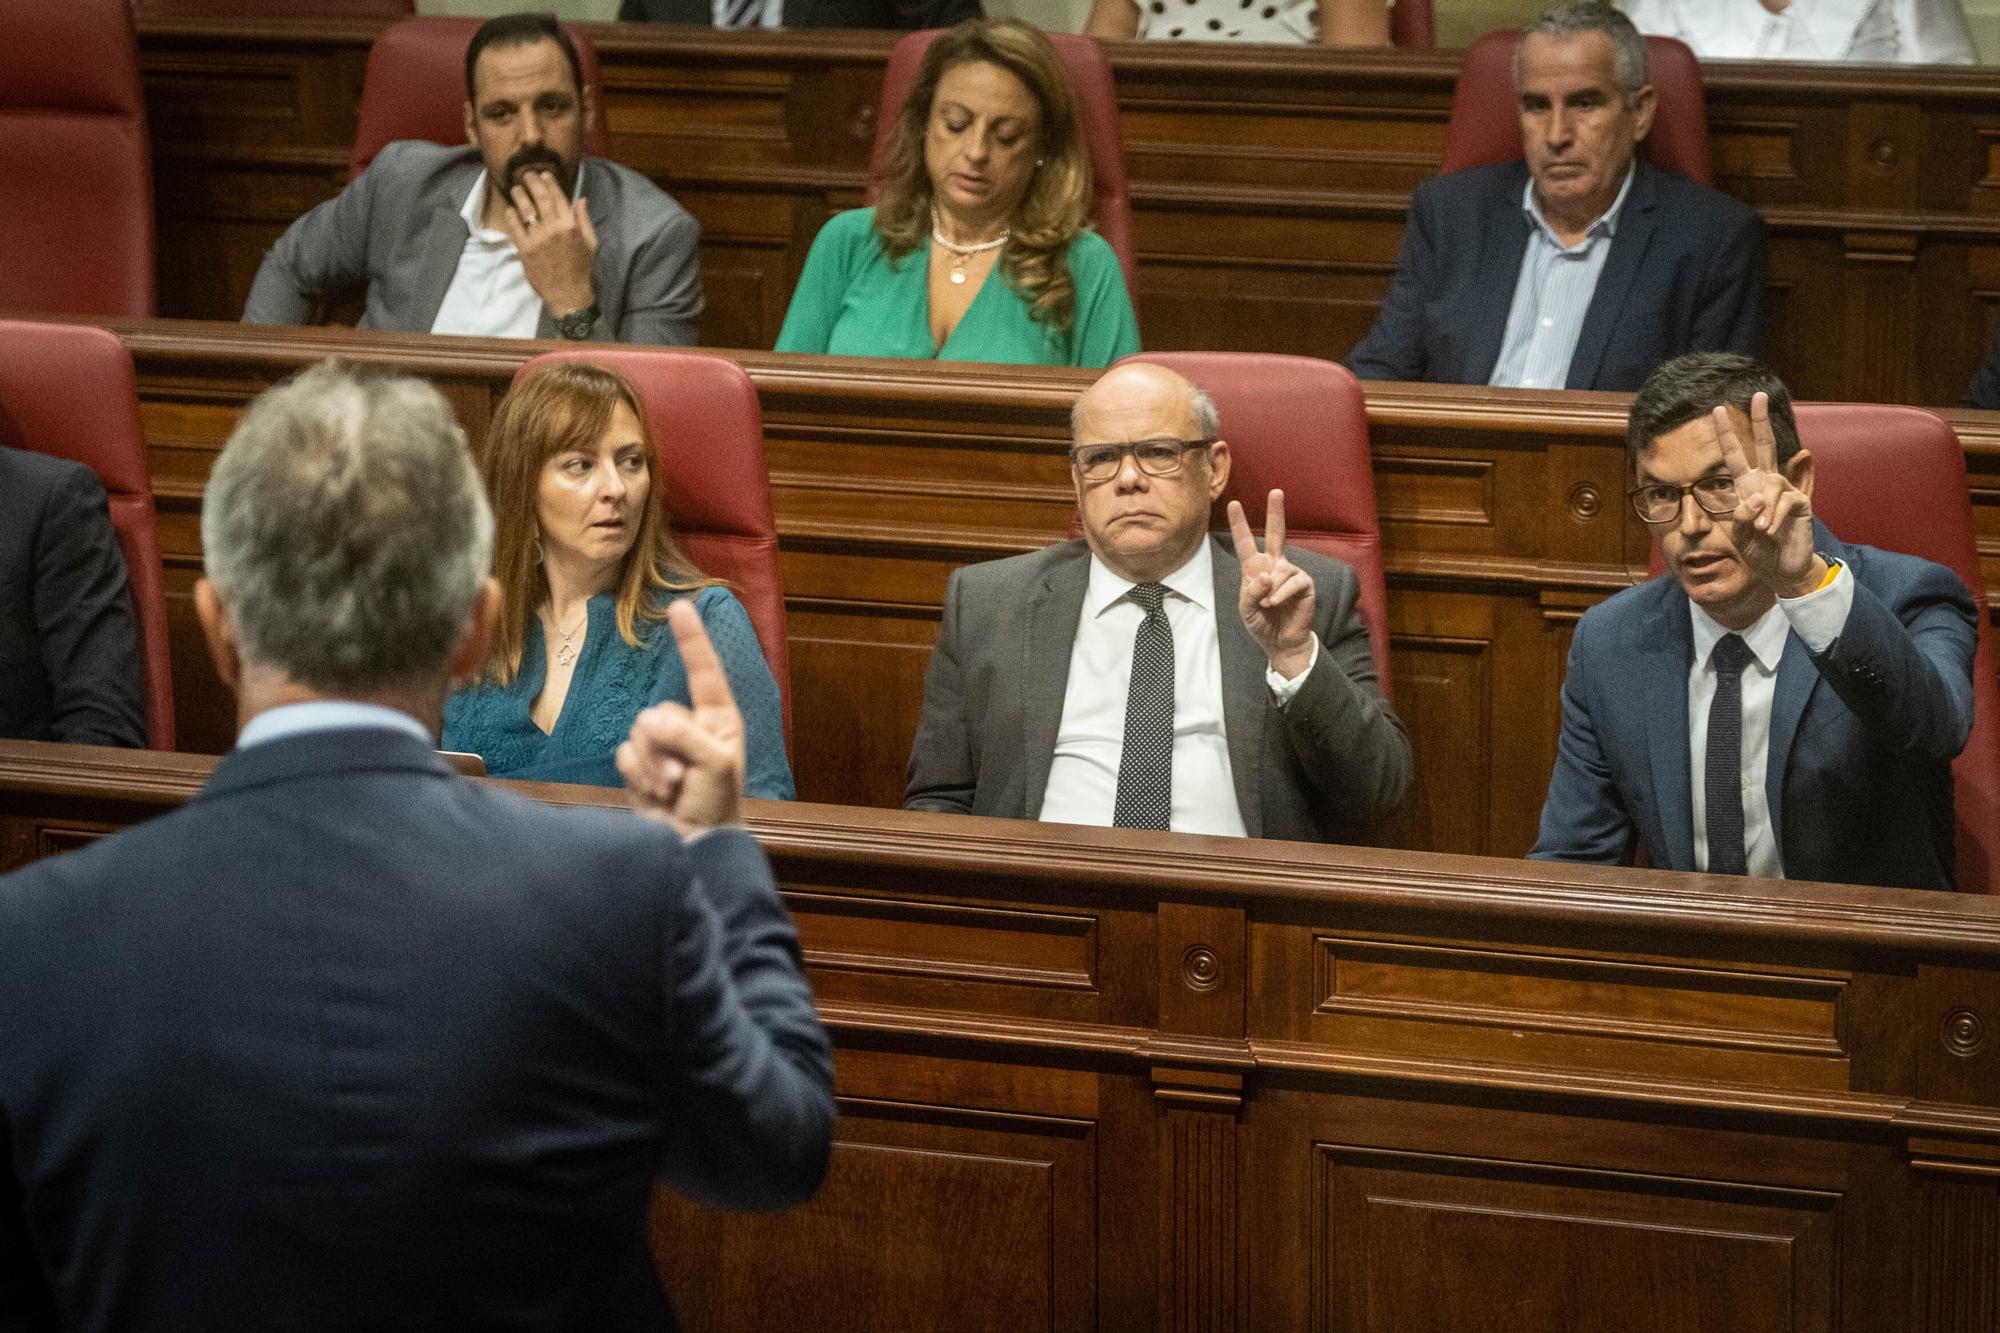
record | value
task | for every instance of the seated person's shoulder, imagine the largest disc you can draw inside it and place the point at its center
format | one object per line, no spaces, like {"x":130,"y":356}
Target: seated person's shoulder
{"x":42,"y":478}
{"x":1895,"y":574}
{"x":1468,"y":185}
{"x":631,"y":189}
{"x":422,"y":159}
{"x":1682,"y":192}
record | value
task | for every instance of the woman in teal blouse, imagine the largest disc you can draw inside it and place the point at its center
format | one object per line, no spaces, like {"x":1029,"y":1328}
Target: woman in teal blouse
{"x":978,"y":250}
{"x":586,"y":569}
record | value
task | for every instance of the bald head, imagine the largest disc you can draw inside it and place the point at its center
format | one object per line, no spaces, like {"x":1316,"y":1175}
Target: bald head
{"x":1147,"y":466}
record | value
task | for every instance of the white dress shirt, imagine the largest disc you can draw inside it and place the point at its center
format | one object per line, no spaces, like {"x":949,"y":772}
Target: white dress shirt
{"x":1923,"y":32}
{"x":1817,"y":618}
{"x":1090,"y":740}
{"x":489,"y":296}
{"x":1552,"y":294}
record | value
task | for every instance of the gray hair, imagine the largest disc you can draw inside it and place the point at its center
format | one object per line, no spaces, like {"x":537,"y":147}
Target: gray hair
{"x":1207,"y":421}
{"x":346,"y":530}
{"x":1628,"y":47}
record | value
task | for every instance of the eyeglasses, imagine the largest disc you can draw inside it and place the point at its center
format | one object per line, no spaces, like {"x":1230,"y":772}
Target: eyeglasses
{"x":1156,"y":458}
{"x":1660,"y":501}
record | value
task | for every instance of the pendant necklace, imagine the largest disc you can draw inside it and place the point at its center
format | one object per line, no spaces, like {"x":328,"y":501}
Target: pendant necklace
{"x":567,"y":653}
{"x":960,"y":253}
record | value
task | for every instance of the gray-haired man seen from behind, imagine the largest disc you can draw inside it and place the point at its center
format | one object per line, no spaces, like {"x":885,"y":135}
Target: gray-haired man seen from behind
{"x":352,"y":1042}
{"x":1580,"y":265}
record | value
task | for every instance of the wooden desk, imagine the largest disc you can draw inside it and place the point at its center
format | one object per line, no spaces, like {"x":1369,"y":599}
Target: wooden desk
{"x":1269,"y":185}
{"x":1096,"y":1079}
{"x":1502,"y":521}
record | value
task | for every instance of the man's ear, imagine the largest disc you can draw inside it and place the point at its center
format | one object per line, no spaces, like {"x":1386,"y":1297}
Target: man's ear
{"x":468,"y":655}
{"x":1218,"y":470}
{"x":1644,"y":104}
{"x":1800,"y":471}
{"x":471,"y":139}
{"x":218,"y":633}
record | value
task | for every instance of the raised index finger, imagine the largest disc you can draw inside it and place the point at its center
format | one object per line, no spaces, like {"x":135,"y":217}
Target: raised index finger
{"x":1274,"y":524}
{"x":708,"y":687}
{"x":1239,"y":532}
{"x":1733,"y":456}
{"x":1760,"y":431}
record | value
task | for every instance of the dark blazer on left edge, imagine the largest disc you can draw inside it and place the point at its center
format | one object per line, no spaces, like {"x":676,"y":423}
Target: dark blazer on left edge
{"x":1331,"y":762}
{"x":69,"y":642}
{"x":350,"y":1042}
{"x":1862,"y":738}
{"x":1685,"y":274}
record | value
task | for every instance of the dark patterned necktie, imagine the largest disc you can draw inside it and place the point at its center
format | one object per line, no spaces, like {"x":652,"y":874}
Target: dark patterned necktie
{"x":1146,"y":766}
{"x":1723,"y":773}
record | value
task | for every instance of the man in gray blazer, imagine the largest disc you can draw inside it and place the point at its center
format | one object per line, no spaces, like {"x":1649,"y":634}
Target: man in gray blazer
{"x":517,"y":235}
{"x":1149,"y":675}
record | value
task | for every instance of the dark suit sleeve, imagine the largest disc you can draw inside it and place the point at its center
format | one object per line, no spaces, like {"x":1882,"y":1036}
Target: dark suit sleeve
{"x":1984,"y":391}
{"x":322,"y":254}
{"x":943,"y":774}
{"x":754,"y":1070}
{"x":1729,"y":317}
{"x":1583,"y":817}
{"x":1341,"y":730}
{"x":1394,"y":348}
{"x":83,"y":612}
{"x":26,"y":1304}
{"x":1906,"y":671}
{"x":663,"y":300}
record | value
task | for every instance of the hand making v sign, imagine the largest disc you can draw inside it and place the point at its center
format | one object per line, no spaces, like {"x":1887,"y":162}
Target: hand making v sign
{"x":1277,"y":597}
{"x":557,"y":242}
{"x":1772,"y":523}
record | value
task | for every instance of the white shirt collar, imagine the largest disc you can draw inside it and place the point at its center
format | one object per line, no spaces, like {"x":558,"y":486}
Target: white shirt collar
{"x":1194,"y":580}
{"x":1606,"y":224}
{"x":328,"y":715}
{"x":1765,"y":637}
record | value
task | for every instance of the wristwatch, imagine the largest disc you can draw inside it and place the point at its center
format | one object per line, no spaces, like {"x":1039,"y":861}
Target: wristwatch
{"x":578,"y":324}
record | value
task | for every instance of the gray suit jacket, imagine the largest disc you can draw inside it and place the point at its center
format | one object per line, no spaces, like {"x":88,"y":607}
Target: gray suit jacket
{"x":399,"y":229}
{"x":1332,"y":761}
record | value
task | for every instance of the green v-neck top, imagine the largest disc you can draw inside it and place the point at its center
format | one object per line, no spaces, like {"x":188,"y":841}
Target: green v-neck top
{"x":852,"y":300}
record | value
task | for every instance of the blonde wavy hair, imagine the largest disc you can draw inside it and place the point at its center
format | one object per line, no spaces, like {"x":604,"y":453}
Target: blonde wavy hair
{"x":556,"y":408}
{"x":1056,"y":207}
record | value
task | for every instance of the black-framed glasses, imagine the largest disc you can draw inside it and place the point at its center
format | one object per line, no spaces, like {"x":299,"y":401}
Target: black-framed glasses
{"x":1156,"y":458}
{"x":1660,"y":501}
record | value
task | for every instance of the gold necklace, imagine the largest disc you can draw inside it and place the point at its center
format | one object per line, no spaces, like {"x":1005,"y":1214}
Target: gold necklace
{"x":960,"y":253}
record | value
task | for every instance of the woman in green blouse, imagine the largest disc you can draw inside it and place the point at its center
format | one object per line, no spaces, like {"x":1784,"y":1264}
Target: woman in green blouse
{"x":978,"y":249}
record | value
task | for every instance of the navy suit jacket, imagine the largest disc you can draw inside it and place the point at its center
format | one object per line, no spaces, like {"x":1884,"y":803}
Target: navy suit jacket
{"x":1862,"y":737}
{"x":350,"y":1042}
{"x":69,"y":642}
{"x":1685,"y":274}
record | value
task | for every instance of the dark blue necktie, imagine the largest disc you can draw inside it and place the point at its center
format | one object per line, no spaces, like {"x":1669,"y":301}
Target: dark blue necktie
{"x":1723,"y":773}
{"x":1146,"y":765}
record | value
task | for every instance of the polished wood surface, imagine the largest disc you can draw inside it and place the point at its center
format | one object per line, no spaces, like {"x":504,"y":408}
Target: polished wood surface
{"x":1105,"y":1079}
{"x":1269,"y":185}
{"x":1502,"y":520}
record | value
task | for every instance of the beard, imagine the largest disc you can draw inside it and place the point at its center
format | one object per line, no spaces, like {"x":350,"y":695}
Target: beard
{"x":537,"y":157}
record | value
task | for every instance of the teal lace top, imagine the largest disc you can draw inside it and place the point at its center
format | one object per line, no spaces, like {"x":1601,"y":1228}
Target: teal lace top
{"x":613,"y":683}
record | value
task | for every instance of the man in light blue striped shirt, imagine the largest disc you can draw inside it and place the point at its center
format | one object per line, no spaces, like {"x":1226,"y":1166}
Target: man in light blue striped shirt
{"x":1582,"y":266}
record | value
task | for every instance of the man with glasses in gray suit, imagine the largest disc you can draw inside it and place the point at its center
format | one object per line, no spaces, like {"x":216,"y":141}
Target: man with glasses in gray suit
{"x":1150,"y":675}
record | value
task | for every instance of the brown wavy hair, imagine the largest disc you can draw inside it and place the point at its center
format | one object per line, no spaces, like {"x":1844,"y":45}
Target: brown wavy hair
{"x":1056,"y":207}
{"x":555,"y":408}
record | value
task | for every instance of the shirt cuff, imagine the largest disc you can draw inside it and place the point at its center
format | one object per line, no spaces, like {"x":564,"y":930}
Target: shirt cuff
{"x":1820,"y":615}
{"x":1282,"y":690}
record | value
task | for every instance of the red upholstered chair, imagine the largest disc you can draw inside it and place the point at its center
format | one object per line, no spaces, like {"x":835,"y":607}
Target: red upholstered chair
{"x":387,"y":8}
{"x":1299,"y":425}
{"x":1894,"y":478}
{"x":1485,"y":122}
{"x":68,"y":390}
{"x":76,"y":179}
{"x":709,"y":433}
{"x":1412,"y":25}
{"x":1097,"y":121}
{"x":414,"y":87}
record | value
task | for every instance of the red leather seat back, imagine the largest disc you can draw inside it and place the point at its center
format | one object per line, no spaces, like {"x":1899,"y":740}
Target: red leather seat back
{"x":386,"y":8}
{"x":68,"y":390}
{"x":1894,"y":478}
{"x":1412,"y":25}
{"x":708,"y":433}
{"x":76,"y":178}
{"x":1485,"y":115}
{"x":1097,"y":121}
{"x":1300,"y":425}
{"x":414,"y":87}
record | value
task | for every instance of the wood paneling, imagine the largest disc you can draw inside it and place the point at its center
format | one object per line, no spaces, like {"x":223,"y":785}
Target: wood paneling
{"x":1109,"y":1079}
{"x":1269,"y":185}
{"x":1502,"y":520}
